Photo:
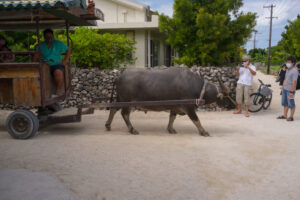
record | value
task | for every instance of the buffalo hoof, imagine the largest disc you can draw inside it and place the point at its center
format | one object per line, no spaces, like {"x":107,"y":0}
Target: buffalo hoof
{"x":171,"y":131}
{"x":108,"y":128}
{"x":205,"y":134}
{"x":134,"y":132}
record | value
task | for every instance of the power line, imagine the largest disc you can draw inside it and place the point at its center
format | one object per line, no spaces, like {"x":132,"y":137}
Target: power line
{"x":270,"y":34}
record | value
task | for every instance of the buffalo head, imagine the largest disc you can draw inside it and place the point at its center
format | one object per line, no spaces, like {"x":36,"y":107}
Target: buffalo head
{"x":224,"y":98}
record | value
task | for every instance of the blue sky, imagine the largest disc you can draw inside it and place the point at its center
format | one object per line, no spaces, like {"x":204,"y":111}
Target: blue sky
{"x":285,"y":10}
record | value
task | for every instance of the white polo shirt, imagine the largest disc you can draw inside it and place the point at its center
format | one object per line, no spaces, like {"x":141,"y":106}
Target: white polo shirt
{"x":246,"y":77}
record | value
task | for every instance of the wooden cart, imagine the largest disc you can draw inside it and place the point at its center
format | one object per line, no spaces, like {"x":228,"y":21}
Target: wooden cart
{"x":30,"y":84}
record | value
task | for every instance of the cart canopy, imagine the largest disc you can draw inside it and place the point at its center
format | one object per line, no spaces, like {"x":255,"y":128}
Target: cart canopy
{"x":22,"y":14}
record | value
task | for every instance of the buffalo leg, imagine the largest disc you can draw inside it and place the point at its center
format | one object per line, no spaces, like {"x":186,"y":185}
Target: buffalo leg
{"x":193,"y":116}
{"x":110,"y":118}
{"x":171,"y":122}
{"x":125,"y":114}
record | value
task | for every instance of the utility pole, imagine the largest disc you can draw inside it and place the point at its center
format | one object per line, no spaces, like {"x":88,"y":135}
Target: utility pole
{"x":254,"y":39}
{"x":270,"y":34}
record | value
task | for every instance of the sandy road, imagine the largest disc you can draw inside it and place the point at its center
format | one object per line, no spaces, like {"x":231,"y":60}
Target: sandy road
{"x":255,"y":158}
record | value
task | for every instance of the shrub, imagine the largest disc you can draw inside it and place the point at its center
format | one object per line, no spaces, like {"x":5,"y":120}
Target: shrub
{"x":105,"y":51}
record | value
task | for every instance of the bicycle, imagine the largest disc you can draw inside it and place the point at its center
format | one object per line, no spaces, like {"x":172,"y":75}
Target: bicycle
{"x":262,"y":98}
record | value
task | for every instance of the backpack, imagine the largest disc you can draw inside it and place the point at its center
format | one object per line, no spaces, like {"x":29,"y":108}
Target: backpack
{"x":298,"y":80}
{"x":298,"y":83}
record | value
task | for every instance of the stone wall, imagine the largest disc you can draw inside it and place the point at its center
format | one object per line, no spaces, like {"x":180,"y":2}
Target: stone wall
{"x":91,"y":84}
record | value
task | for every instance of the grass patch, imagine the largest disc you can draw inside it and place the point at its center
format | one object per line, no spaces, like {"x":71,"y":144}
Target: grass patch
{"x":275,"y":67}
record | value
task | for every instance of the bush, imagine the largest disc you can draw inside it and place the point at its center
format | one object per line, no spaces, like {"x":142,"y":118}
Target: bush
{"x":105,"y":51}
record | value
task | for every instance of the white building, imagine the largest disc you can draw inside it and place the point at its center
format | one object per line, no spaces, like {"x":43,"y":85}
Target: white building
{"x":137,"y":22}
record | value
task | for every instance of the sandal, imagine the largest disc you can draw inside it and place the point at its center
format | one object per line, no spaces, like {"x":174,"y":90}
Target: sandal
{"x":290,"y":119}
{"x":281,"y":117}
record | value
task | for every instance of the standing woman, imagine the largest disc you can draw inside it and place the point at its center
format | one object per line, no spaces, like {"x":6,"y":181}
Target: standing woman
{"x":281,"y":74}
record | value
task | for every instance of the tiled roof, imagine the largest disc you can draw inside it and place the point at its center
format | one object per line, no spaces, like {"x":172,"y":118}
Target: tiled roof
{"x":35,"y":4}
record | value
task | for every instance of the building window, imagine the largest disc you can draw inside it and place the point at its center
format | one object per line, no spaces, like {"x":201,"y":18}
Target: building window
{"x":154,"y":53}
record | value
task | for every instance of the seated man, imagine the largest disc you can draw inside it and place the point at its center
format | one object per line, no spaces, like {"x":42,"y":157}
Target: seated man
{"x":51,"y":53}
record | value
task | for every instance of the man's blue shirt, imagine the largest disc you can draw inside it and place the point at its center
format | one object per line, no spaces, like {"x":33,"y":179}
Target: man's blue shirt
{"x":52,"y":55}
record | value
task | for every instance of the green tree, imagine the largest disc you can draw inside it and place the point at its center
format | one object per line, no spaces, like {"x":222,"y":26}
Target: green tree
{"x":258,"y":55}
{"x":208,"y":31}
{"x":290,"y":41}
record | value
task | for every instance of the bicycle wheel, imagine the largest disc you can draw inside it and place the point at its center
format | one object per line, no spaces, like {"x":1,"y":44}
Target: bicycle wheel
{"x":267,"y":103}
{"x":257,"y":102}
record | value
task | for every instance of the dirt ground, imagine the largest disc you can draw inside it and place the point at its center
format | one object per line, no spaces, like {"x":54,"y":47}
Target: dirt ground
{"x":245,"y":158}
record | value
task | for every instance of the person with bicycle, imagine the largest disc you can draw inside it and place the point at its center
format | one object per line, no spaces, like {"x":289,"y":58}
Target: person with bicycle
{"x":244,"y":84}
{"x":289,"y":89}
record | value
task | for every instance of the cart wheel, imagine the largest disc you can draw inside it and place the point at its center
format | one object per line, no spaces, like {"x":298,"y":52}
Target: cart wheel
{"x":35,"y":119}
{"x":22,"y":124}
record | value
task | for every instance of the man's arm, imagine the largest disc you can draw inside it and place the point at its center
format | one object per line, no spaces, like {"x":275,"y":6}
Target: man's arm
{"x":252,"y":71}
{"x":294,"y":83}
{"x":67,"y":57}
{"x":293,"y":89}
{"x":237,"y":71}
{"x":283,"y":84}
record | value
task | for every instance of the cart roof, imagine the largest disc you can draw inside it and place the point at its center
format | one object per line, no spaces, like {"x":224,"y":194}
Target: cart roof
{"x":21,"y":14}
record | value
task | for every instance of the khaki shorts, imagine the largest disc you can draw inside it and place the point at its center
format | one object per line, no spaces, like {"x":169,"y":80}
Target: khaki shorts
{"x":243,"y":92}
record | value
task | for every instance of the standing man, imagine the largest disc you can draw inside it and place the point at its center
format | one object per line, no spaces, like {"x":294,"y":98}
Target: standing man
{"x":289,"y":89}
{"x":51,"y":50}
{"x":244,"y":84}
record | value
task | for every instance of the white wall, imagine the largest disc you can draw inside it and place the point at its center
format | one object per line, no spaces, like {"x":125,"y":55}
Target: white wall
{"x":140,"y":52}
{"x":114,"y":12}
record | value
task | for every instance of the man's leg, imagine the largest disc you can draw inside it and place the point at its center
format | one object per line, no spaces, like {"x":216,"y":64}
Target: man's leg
{"x":292,"y":106}
{"x":59,"y":80}
{"x":239,"y":98}
{"x":247,"y":92}
{"x":284,"y":102}
{"x":239,"y":109}
{"x":285,"y":111}
{"x":247,"y":111}
{"x":293,"y":112}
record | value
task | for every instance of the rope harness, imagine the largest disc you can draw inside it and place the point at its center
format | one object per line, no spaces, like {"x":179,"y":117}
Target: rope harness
{"x":201,"y":101}
{"x":229,"y":97}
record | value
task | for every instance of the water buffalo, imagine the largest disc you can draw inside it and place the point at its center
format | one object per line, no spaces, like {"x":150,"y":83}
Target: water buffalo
{"x":165,"y":84}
